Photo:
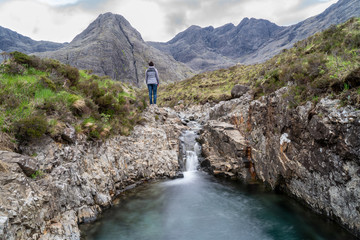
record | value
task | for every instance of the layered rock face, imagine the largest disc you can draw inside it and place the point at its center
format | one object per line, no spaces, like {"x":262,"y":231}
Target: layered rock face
{"x":312,"y":152}
{"x":76,"y":182}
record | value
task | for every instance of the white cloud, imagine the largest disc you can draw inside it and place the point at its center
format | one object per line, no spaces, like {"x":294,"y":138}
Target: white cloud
{"x":58,"y":2}
{"x":300,"y":14}
{"x":44,"y":22}
{"x":219,"y":12}
{"x":145,"y":16}
{"x":156,"y":20}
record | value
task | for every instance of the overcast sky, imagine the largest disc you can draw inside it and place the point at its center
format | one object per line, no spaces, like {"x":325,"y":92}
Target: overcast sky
{"x":156,"y":20}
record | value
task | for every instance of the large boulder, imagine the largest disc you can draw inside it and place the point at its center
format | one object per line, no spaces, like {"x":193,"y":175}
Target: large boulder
{"x":239,"y":90}
{"x":27,"y":164}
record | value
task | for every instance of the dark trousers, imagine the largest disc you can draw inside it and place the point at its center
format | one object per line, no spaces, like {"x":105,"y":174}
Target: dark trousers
{"x":152,"y":92}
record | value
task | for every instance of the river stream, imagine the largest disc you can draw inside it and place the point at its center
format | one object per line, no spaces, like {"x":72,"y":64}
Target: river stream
{"x":202,"y":207}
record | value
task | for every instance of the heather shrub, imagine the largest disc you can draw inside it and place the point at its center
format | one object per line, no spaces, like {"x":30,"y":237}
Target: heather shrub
{"x":10,"y":101}
{"x":322,"y":83}
{"x":12,"y":68}
{"x":352,"y":41}
{"x":30,"y":128}
{"x":272,"y":81}
{"x":70,"y":73}
{"x":50,"y":107}
{"x":48,"y":83}
{"x":49,"y":64}
{"x":316,"y":65}
{"x":21,"y":58}
{"x":353,"y":78}
{"x":91,"y":89}
{"x":6,"y":142}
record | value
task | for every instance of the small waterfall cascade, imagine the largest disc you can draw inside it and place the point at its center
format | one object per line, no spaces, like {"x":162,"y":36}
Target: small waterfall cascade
{"x":197,"y":206}
{"x":190,"y":149}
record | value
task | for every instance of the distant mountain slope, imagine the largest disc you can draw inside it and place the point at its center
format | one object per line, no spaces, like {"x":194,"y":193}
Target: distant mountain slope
{"x":12,"y":41}
{"x":251,"y":41}
{"x":111,"y":46}
{"x":337,"y":13}
{"x":323,"y":65}
{"x":207,"y":48}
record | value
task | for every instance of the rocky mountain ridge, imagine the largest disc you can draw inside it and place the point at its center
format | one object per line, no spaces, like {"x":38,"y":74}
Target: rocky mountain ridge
{"x":111,"y":46}
{"x":12,"y":41}
{"x":201,"y":49}
{"x":252,"y":41}
{"x":207,"y":48}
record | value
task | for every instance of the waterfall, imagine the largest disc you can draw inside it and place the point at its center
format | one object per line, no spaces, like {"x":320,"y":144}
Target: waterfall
{"x":190,"y":148}
{"x":191,"y":161}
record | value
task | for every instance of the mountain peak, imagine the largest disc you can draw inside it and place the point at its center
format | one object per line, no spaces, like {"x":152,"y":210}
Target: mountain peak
{"x":112,"y":16}
{"x":106,"y":25}
{"x":193,"y":27}
{"x":254,"y":21}
{"x":111,"y":46}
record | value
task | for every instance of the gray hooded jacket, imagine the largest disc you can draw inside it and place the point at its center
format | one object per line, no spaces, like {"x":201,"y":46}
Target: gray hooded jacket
{"x":152,"y":76}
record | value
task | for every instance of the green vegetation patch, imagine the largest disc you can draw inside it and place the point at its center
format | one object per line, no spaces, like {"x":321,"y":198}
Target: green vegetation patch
{"x":326,"y":64}
{"x":42,"y":97}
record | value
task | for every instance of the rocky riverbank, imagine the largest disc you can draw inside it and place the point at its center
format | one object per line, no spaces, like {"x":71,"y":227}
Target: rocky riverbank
{"x":312,"y":152}
{"x":47,"y":195}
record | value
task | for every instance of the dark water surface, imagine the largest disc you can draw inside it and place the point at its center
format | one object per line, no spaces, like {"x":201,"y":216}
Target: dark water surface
{"x":201,"y":207}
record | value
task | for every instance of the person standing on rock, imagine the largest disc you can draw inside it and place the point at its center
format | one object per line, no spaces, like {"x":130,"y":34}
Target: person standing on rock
{"x":152,"y":81}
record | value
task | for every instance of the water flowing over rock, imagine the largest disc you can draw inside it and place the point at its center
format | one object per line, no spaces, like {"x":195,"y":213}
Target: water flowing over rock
{"x":73,"y":183}
{"x":312,"y":152}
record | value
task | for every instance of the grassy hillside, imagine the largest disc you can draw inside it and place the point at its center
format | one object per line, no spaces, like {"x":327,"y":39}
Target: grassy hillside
{"x":40,"y":97}
{"x":326,"y":64}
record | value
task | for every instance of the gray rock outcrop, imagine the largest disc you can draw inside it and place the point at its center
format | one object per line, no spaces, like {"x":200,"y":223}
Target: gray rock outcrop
{"x":239,"y":90}
{"x":74,"y":183}
{"x":312,"y":152}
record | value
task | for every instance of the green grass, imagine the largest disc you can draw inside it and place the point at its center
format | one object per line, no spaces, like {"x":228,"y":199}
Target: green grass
{"x":37,"y":174}
{"x":126,"y":94}
{"x":89,"y":120}
{"x":2,"y":120}
{"x":84,"y":75}
{"x":40,"y":97}
{"x":209,"y":86}
{"x":44,"y":94}
{"x":67,"y":98}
